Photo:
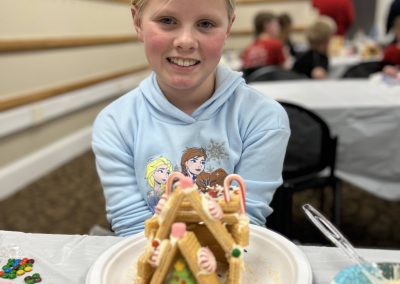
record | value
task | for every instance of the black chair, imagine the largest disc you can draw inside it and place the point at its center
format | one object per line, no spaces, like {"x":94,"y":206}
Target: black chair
{"x":309,"y":163}
{"x":363,"y":69}
{"x":272,"y":73}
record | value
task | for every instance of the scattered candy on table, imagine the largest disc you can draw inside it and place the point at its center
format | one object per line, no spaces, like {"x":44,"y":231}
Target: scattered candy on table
{"x":18,"y":267}
{"x":35,"y":278}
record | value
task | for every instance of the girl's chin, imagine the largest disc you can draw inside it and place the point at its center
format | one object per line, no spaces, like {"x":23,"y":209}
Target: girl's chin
{"x":182,"y":83}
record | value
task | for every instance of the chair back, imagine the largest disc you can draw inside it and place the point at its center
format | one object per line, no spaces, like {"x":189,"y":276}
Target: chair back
{"x":311,"y":148}
{"x":273,"y":73}
{"x":363,"y":69}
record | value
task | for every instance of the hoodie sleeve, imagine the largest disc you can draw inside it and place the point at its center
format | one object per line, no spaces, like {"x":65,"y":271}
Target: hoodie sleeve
{"x":264,"y":146}
{"x":125,"y":206}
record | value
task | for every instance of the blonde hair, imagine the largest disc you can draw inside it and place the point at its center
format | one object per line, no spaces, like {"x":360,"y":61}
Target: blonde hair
{"x":139,"y":5}
{"x":152,"y":167}
{"x":321,"y":31}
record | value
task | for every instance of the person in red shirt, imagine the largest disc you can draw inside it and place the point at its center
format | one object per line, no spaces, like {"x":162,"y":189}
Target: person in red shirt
{"x":341,"y":11}
{"x":267,"y":49}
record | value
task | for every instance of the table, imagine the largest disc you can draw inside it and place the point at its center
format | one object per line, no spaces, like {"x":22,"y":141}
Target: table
{"x":366,"y":117}
{"x":65,"y":259}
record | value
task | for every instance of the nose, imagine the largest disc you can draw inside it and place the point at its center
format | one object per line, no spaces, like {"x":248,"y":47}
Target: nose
{"x":186,"y":39}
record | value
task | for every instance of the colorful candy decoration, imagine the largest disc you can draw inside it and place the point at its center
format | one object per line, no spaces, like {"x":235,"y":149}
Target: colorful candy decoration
{"x":206,"y":260}
{"x":227,"y":182}
{"x":236,"y":252}
{"x":181,"y":273}
{"x":18,"y":267}
{"x":178,"y":230}
{"x":214,"y":209}
{"x":176,"y":176}
{"x":173,"y":178}
{"x":35,"y":278}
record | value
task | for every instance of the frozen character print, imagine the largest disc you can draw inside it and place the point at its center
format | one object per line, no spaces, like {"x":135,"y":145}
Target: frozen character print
{"x":193,"y":162}
{"x":207,"y":182}
{"x":157,"y":172}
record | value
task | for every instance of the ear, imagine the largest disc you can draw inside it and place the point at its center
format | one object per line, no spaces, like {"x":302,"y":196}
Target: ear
{"x":136,"y":22}
{"x":230,"y":25}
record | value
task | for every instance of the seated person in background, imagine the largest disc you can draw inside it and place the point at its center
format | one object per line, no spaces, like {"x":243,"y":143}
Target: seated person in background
{"x":315,"y":63}
{"x":341,"y":11}
{"x":391,"y":53}
{"x":394,"y":11}
{"x":267,"y":49}
{"x":285,"y":23}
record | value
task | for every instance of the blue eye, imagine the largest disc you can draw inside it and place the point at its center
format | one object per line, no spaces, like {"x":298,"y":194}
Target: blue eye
{"x":167,"y":21}
{"x":203,"y":163}
{"x":206,"y":24}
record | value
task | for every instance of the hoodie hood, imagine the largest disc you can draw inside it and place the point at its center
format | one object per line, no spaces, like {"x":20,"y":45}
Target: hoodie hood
{"x":226,"y":82}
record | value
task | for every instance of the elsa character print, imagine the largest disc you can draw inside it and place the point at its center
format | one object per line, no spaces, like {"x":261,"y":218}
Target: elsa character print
{"x":157,"y":172}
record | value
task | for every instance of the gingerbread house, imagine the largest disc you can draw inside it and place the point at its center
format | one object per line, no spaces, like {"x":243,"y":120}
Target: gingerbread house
{"x":193,"y":230}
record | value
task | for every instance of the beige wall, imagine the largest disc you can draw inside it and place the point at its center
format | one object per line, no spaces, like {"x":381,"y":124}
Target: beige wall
{"x":35,"y":70}
{"x":26,"y":71}
{"x":17,"y":145}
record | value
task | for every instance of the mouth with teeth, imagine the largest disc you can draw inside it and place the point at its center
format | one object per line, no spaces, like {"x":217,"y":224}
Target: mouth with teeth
{"x":183,"y":62}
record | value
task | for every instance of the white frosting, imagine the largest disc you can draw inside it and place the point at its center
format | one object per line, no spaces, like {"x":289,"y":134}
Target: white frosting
{"x":211,"y":208}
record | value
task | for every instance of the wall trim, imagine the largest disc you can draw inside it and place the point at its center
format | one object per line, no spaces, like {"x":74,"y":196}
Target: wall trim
{"x":36,"y":113}
{"x":30,"y":44}
{"x":30,"y":97}
{"x":21,"y":173}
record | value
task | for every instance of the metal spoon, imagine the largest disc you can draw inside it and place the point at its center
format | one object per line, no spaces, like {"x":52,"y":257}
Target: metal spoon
{"x":370,"y":269}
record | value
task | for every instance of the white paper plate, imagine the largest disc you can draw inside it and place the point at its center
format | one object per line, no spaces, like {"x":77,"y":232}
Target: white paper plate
{"x":270,"y":258}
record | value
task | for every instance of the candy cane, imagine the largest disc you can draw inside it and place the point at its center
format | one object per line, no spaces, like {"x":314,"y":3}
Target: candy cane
{"x":242,"y":187}
{"x":171,"y":179}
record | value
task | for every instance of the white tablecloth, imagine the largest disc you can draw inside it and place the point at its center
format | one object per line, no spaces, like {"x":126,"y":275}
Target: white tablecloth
{"x":366,"y":117}
{"x":66,"y":259}
{"x":338,"y":65}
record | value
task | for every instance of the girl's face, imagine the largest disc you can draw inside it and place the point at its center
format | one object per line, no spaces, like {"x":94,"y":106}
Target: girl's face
{"x":183,"y":41}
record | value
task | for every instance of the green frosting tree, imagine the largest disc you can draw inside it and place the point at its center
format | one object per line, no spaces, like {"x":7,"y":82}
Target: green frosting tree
{"x":181,"y":273}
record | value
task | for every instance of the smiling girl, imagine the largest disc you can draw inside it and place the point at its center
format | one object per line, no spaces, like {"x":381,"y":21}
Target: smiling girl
{"x":188,"y":101}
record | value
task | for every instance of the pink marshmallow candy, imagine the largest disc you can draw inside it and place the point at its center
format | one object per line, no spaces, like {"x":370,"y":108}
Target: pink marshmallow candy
{"x":185,"y":182}
{"x":178,"y":230}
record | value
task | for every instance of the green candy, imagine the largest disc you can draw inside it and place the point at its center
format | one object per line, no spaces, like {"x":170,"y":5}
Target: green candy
{"x":12,"y":276}
{"x":236,"y":252}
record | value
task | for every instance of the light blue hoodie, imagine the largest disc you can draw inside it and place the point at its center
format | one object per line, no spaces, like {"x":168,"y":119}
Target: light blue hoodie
{"x":240,"y":130}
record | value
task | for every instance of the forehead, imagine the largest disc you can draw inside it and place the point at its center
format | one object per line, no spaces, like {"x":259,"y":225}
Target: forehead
{"x":186,"y":6}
